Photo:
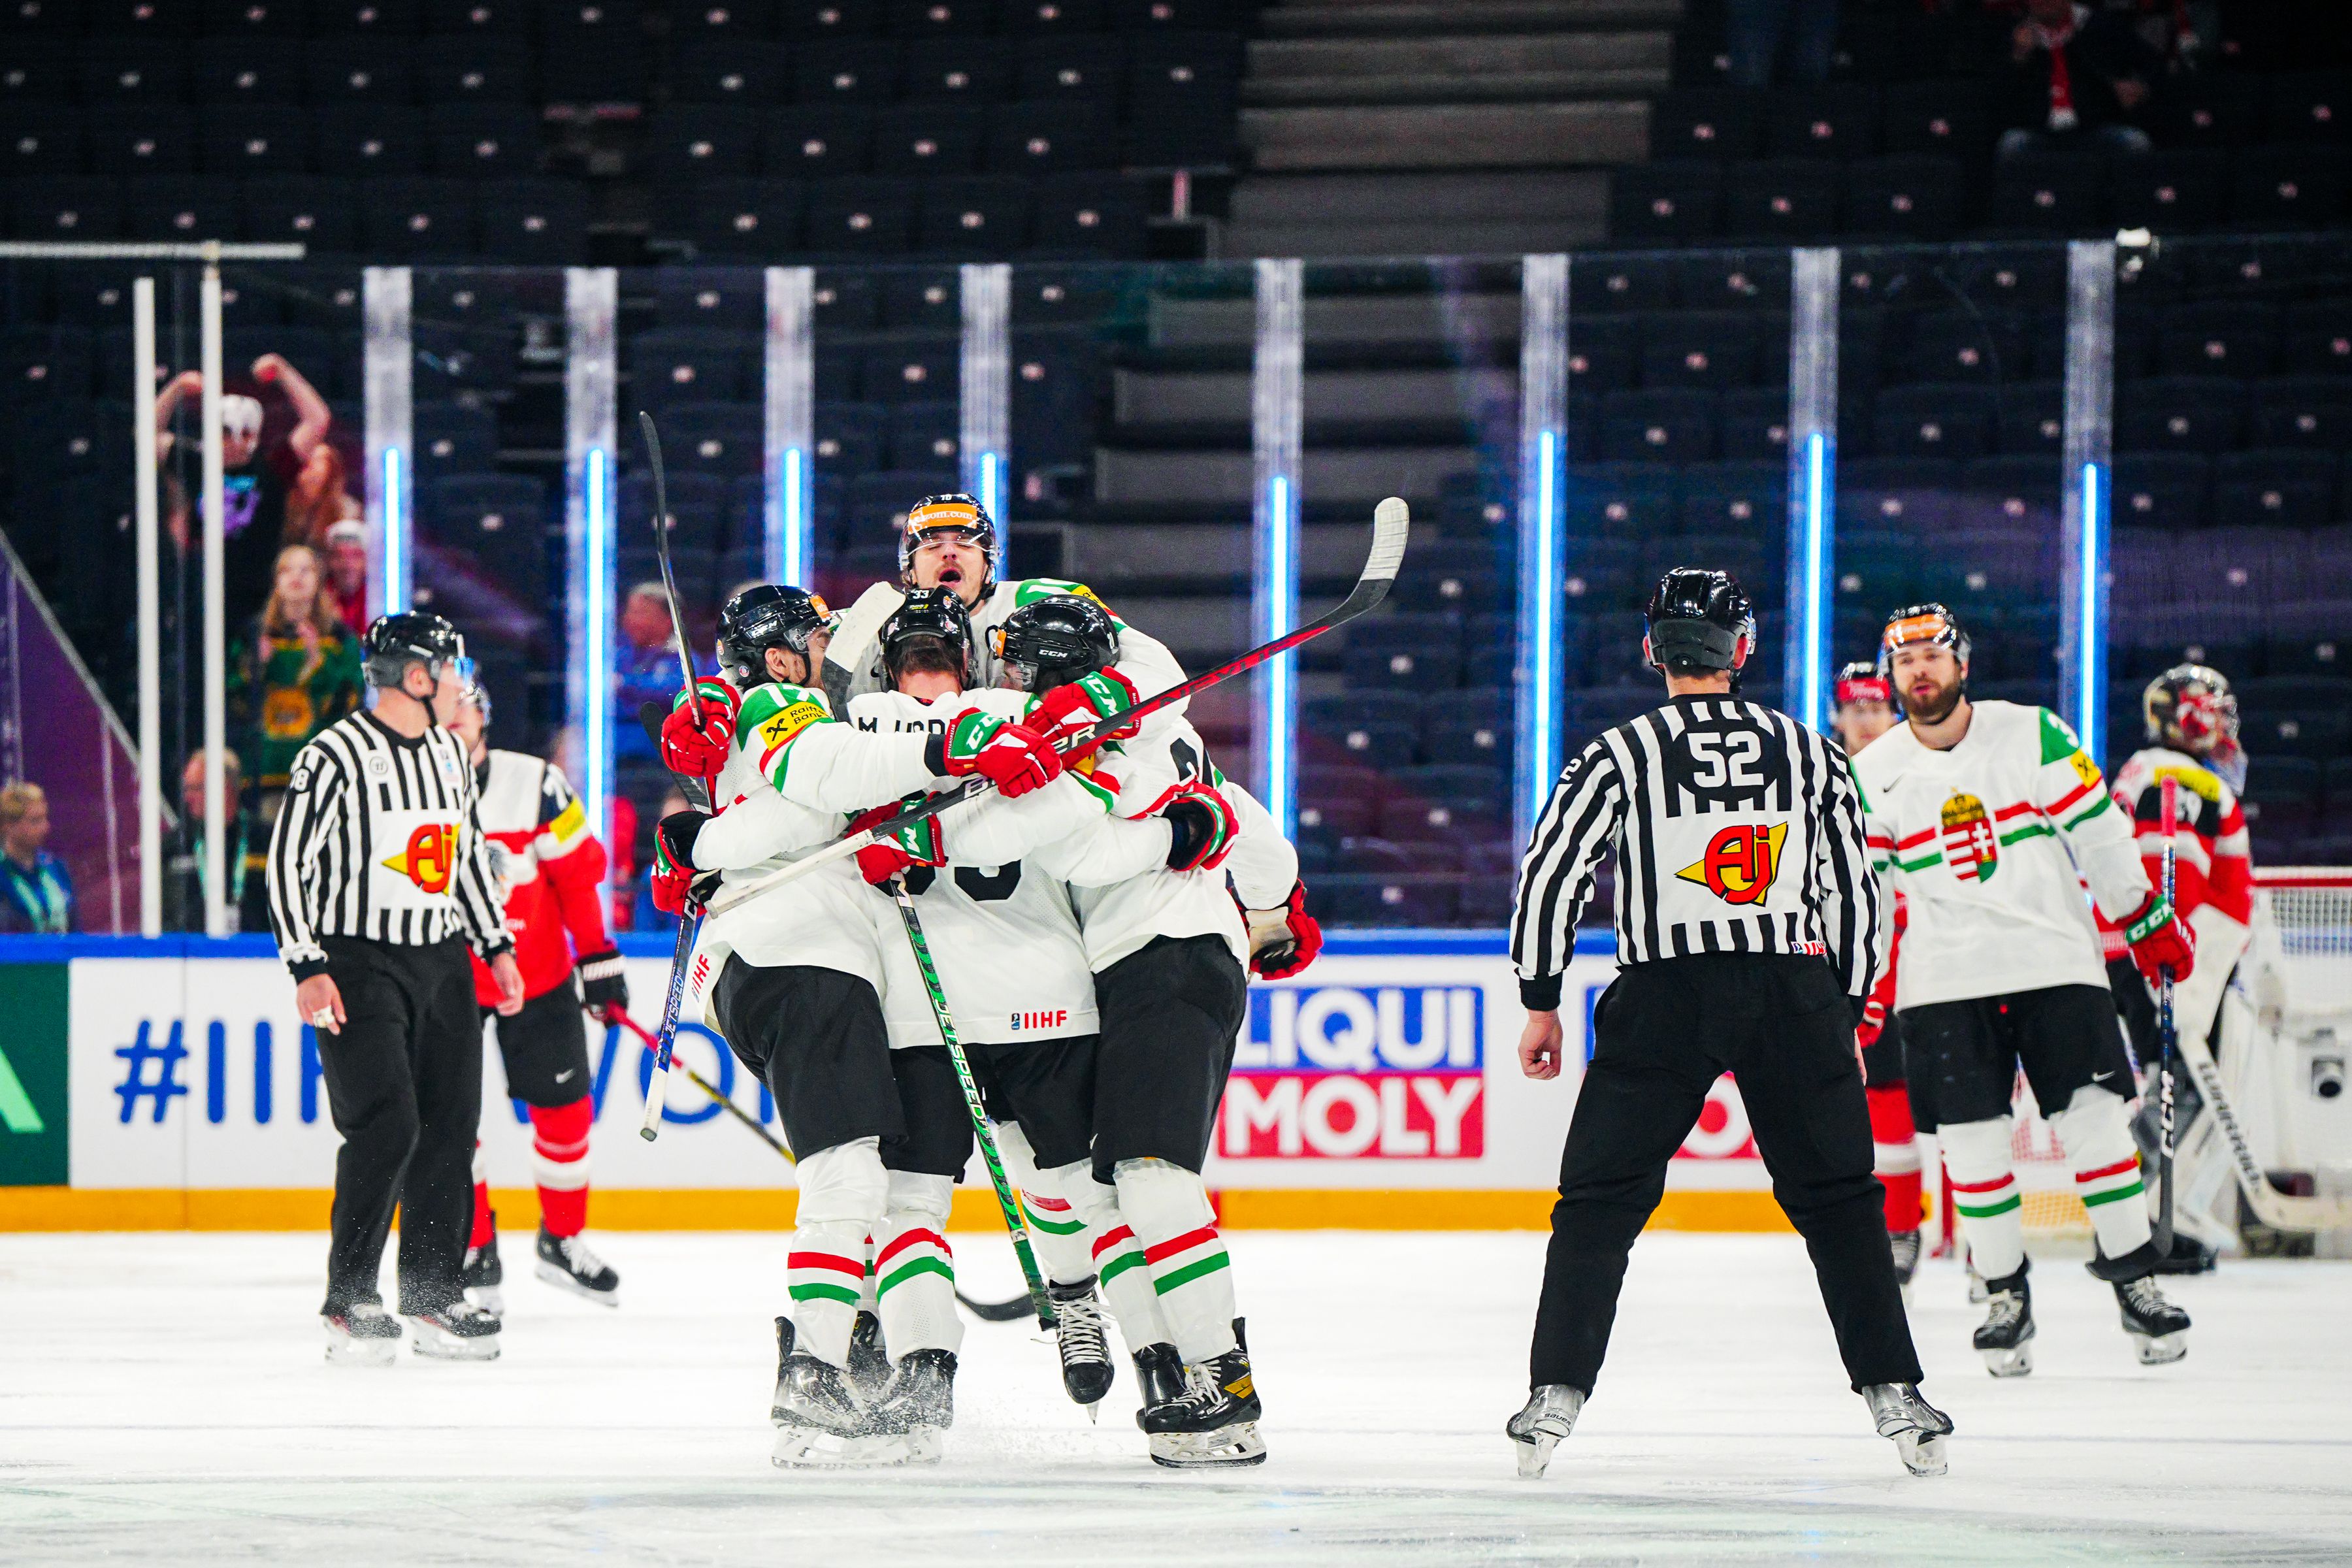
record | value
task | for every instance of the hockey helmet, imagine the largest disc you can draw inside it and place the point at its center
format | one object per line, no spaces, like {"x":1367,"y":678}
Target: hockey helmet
{"x":394,"y":642}
{"x":1861,"y":681}
{"x":2191,"y":708}
{"x":471,"y":692}
{"x":1053,"y":641}
{"x":928,"y":618}
{"x":766,"y":616}
{"x":952,"y":515}
{"x":1931,"y":623}
{"x":1698,"y":619}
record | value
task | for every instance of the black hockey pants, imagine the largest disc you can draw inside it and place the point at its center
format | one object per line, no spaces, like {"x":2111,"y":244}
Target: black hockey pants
{"x":1666,"y":1031}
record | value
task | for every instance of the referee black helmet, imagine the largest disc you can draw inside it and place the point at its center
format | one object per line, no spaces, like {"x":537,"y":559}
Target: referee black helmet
{"x":1053,"y":641}
{"x":393,"y":643}
{"x":766,"y":616}
{"x":930,"y":630}
{"x":1698,"y":620}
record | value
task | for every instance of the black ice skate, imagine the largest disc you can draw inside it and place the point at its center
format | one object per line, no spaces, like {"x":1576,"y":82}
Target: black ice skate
{"x":819,"y":1421}
{"x":869,"y":1362}
{"x":1905,"y":1246}
{"x":1214,"y":1421}
{"x":361,"y":1334}
{"x":458,"y":1331}
{"x":1918,"y":1427}
{"x":1158,"y":1378}
{"x":483,"y":1274}
{"x":914,"y":1415}
{"x":2006,"y":1340}
{"x":566,"y":1262}
{"x":1549,"y":1415}
{"x":1085,"y":1354}
{"x":2158,"y":1329}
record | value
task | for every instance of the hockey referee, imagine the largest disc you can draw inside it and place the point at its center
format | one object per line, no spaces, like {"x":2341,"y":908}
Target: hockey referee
{"x":1748,"y":933}
{"x":378,"y":876}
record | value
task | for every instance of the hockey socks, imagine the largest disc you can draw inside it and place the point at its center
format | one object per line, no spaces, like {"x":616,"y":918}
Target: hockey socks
{"x":1168,"y":1208}
{"x":914,"y":1273}
{"x":483,"y":1220}
{"x":2095,"y":1129}
{"x":559,"y":1163}
{"x":1077,"y":1228}
{"x":844,"y":1195}
{"x":1894,"y":1154}
{"x":1984,"y":1194}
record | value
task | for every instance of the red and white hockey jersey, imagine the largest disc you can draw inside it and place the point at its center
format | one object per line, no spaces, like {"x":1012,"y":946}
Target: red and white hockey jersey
{"x":2212,"y":860}
{"x":549,"y":866}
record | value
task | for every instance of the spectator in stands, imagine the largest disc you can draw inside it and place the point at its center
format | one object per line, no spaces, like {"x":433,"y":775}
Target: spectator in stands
{"x":2080,"y":78}
{"x":37,"y":896}
{"x":1797,"y":36}
{"x":293,"y":674}
{"x":320,"y":498}
{"x":347,"y":571}
{"x":253,"y":518}
{"x":647,"y":666}
{"x":183,"y":861}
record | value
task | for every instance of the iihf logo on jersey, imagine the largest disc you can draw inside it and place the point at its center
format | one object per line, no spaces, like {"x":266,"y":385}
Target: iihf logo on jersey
{"x":1971,"y":847}
{"x":1052,"y":1018}
{"x":1740,"y":863}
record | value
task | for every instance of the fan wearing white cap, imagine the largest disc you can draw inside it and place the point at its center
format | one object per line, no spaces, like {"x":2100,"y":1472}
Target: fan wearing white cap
{"x":254,"y":474}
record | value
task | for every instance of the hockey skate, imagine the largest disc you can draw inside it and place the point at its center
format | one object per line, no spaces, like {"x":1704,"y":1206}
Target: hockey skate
{"x":1085,"y":1354}
{"x":1214,"y":1421}
{"x":458,"y":1331}
{"x":1158,"y":1378}
{"x":911,"y":1423}
{"x":1905,"y":1246}
{"x":1549,"y":1415}
{"x":2158,"y":1329}
{"x":819,"y":1422}
{"x":869,"y":1362}
{"x":566,"y":1262}
{"x":2006,"y":1337}
{"x":361,"y":1334}
{"x":1918,"y":1427}
{"x":483,"y":1274}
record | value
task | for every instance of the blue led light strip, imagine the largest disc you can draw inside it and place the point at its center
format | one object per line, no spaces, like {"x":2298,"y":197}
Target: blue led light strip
{"x":1543,"y":763}
{"x":2091,"y":628}
{"x":597,"y":742}
{"x":395,"y":536}
{"x":1815,"y":711}
{"x":795,"y":530}
{"x":1282,"y":604}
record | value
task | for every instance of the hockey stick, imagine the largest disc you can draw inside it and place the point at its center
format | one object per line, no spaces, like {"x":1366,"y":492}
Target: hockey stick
{"x":1014,"y":1223}
{"x":2168,"y":821}
{"x":2278,"y":1210}
{"x":1390,"y":525}
{"x":986,"y":1311}
{"x":689,"y":924}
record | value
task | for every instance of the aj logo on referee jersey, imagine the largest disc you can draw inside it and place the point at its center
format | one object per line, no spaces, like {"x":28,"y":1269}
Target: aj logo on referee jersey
{"x":1740,"y":863}
{"x":429,"y":857}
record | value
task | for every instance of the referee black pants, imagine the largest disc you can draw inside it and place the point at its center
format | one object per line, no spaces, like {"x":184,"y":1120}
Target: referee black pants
{"x":404,"y":1082}
{"x":1665,"y":1032}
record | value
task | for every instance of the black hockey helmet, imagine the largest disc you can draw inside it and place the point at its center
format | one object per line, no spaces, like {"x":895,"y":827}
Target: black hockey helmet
{"x":394,"y":642}
{"x":1053,"y":641}
{"x":927,"y":620}
{"x":2191,"y":708}
{"x":1699,"y":617}
{"x":766,"y":616}
{"x":1861,"y":681}
{"x":1930,"y":622}
{"x":955,"y":513}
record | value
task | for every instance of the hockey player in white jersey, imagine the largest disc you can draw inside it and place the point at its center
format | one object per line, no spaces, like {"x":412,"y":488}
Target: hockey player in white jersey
{"x":990,"y":881}
{"x":1987,"y":817}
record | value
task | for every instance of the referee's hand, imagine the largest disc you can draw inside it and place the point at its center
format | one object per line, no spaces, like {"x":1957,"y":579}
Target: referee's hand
{"x":320,"y":1003}
{"x":1539,"y":1046}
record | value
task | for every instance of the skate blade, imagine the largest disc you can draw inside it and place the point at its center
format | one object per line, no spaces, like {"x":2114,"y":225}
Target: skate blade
{"x":814,"y":1449}
{"x":2161,"y":1350}
{"x":2013,"y":1363}
{"x":1236,"y":1444}
{"x":1922,"y":1455}
{"x":563,"y":1281}
{"x":344,"y":1351}
{"x":1978,"y":1294}
{"x":488,"y":1298}
{"x":430,"y":1342}
{"x":1534,"y":1455}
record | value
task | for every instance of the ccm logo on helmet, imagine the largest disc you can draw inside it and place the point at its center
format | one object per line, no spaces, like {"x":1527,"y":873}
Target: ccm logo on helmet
{"x":1740,"y":863}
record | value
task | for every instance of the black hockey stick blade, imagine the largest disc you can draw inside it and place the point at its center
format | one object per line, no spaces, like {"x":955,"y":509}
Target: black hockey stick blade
{"x":1012,"y":1309}
{"x":661,"y":553}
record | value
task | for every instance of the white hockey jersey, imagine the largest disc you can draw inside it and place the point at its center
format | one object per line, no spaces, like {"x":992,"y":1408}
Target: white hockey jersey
{"x":1989,"y":843}
{"x":997,"y":916}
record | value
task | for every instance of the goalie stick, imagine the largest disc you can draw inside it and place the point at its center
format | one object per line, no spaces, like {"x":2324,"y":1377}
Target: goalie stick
{"x":1391,"y":523}
{"x":2278,"y":1210}
{"x":689,"y":923}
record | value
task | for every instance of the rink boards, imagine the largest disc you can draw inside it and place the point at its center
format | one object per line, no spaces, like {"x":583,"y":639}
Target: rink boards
{"x":168,"y":1083}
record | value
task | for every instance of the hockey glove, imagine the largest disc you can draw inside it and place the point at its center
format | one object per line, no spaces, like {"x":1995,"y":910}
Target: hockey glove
{"x":1013,"y":757}
{"x":672,"y":880}
{"x":604,"y":989}
{"x":916,"y":843}
{"x":698,"y":737}
{"x":2160,"y":937}
{"x":1283,"y":940}
{"x":1065,"y":711}
{"x":1201,"y":827}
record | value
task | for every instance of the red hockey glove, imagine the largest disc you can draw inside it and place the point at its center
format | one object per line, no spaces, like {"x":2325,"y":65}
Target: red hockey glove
{"x":698,"y":738}
{"x":1013,"y":757}
{"x":1065,"y":711}
{"x":1283,"y":940}
{"x":1201,"y":827}
{"x":603,"y":988}
{"x":916,"y":843}
{"x":671,"y":880}
{"x":2160,"y":937}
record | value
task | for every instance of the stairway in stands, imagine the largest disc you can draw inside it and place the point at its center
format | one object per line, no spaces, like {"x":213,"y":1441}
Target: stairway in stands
{"x":1460,"y":127}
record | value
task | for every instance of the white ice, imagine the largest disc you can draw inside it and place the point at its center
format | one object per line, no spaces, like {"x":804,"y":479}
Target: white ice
{"x":163,"y":1398}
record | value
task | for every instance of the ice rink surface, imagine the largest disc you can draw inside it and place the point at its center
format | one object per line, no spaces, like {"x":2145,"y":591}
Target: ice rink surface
{"x":166,"y":1400}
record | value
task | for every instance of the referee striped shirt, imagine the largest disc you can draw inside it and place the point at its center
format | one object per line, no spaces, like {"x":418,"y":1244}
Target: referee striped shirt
{"x":1736,"y":830}
{"x":378,"y":838}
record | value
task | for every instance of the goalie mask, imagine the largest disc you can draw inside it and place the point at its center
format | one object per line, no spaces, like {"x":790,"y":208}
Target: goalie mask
{"x":2191,"y":708}
{"x":766,"y":616}
{"x":931,"y":630}
{"x":1055,"y":641}
{"x":953,"y":516}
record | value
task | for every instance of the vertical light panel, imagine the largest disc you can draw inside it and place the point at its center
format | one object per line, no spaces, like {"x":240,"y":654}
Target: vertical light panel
{"x":1277,"y":394}
{"x":591,"y":377}
{"x":215,"y":499}
{"x":987,"y":385}
{"x":147,"y":510}
{"x":1812,"y":483}
{"x":790,"y":555}
{"x":1543,"y":447}
{"x":2085,"y":468}
{"x":387,"y":365}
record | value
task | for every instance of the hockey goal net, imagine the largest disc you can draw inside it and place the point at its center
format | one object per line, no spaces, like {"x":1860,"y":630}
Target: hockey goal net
{"x":2299,"y":959}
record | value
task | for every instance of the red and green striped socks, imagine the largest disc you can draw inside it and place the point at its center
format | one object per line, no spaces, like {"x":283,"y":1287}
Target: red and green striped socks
{"x":1169,"y":1210}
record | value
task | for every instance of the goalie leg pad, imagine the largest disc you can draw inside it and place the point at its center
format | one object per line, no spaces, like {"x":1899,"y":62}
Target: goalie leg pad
{"x":1169,"y":1208}
{"x":2095,"y":1129}
{"x":1984,"y":1192}
{"x":844,"y":1193}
